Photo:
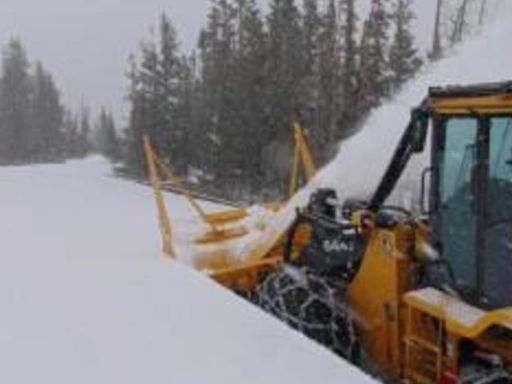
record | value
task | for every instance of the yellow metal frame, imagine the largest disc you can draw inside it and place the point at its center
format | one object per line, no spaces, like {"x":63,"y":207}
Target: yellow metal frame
{"x":220,"y":223}
{"x":216,"y":221}
{"x":405,"y":332}
{"x":302,"y":155}
{"x":451,"y":310}
{"x":490,"y":104}
{"x":163,"y":217}
{"x":459,"y":322}
{"x":375,"y":296}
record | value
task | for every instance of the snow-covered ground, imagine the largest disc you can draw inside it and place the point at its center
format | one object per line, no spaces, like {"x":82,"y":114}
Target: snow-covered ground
{"x":86,"y":297}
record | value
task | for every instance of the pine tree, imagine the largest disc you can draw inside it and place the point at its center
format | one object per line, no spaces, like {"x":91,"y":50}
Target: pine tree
{"x":330,"y":78}
{"x":285,"y":70}
{"x":84,"y":133}
{"x":15,"y":94}
{"x":46,"y":116}
{"x":152,"y":116}
{"x":373,"y":81}
{"x":211,"y":80}
{"x":460,"y":22}
{"x":310,"y":85}
{"x":31,"y":114}
{"x":71,"y":129}
{"x":105,"y":136}
{"x":482,"y":12}
{"x":349,"y":67}
{"x":285,"y":63}
{"x":169,"y":72}
{"x":153,"y":95}
{"x":249,"y":76}
{"x":185,"y":119}
{"x":218,"y":88}
{"x":311,"y":31}
{"x":403,"y":58}
{"x":456,"y":19}
{"x":132,"y":152}
{"x":437,"y":48}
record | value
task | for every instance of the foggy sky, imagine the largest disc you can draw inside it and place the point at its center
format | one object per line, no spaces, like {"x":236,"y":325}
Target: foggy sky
{"x":86,"y":43}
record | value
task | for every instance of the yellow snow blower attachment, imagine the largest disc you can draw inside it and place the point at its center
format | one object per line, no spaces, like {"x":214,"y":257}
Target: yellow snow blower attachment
{"x":217,"y":222}
{"x":228,"y":250}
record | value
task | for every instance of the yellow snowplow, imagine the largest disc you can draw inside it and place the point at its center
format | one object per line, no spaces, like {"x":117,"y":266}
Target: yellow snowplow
{"x":414,"y":297}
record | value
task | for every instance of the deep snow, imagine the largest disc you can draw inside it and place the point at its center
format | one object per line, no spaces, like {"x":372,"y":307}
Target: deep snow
{"x":86,"y":297}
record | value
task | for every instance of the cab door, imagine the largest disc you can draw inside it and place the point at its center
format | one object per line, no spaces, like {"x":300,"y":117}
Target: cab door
{"x":496,"y":265}
{"x":456,"y":159}
{"x":473,"y":219}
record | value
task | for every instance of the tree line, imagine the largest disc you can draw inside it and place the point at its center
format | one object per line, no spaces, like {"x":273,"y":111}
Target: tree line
{"x":221,"y":115}
{"x":35,"y":126}
{"x":454,"y":20}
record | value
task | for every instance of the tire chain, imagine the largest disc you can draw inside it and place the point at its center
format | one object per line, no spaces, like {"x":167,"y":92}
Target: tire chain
{"x":311,"y":304}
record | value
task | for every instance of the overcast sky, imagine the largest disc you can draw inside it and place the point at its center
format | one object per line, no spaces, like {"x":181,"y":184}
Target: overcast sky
{"x":86,"y":43}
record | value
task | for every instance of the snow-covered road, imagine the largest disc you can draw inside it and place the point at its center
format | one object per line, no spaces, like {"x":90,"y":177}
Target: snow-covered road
{"x":86,"y":297}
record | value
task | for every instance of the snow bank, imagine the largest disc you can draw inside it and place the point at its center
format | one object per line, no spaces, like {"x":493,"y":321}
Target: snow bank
{"x":361,"y":161}
{"x":87,"y":298}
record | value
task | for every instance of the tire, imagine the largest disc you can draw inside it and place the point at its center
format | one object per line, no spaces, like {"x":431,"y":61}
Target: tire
{"x":477,"y":375}
{"x":313,"y":305}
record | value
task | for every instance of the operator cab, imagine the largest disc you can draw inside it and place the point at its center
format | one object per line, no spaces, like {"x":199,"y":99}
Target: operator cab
{"x":473,"y":200}
{"x":467,"y":187}
{"x":471,"y":197}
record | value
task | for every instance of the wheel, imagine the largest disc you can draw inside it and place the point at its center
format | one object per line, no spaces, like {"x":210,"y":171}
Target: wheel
{"x":478,"y":374}
{"x":313,"y":305}
{"x":490,"y":379}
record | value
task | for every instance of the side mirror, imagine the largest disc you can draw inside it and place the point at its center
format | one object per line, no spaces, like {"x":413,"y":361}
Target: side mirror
{"x":419,"y":121}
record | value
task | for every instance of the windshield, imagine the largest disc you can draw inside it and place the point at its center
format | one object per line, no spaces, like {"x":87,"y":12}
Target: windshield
{"x":457,"y":164}
{"x":474,"y":219}
{"x":497,"y":261}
